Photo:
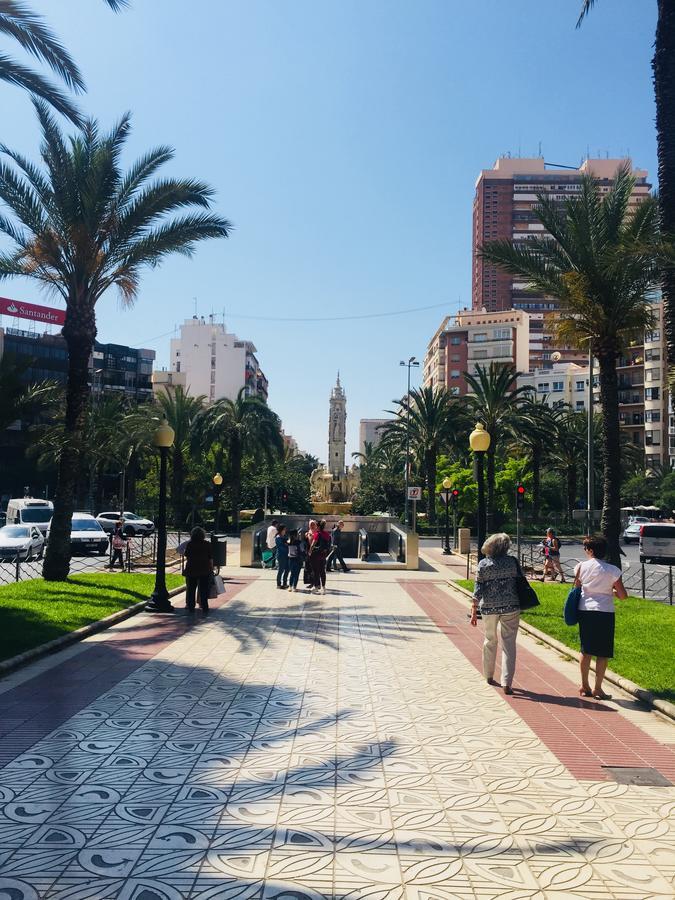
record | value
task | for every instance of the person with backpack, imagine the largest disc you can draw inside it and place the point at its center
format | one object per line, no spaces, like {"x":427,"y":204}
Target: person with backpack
{"x":281,"y":546}
{"x":119,"y":545}
{"x":295,"y":556}
{"x":319,"y":548}
{"x":551,"y":547}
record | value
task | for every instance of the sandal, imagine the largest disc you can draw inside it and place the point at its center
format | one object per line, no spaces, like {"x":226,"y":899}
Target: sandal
{"x":601,"y":695}
{"x":508,"y":689}
{"x":585,"y":693}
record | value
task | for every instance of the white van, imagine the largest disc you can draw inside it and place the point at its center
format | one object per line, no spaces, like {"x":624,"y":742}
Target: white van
{"x":30,"y":511}
{"x":657,"y":543}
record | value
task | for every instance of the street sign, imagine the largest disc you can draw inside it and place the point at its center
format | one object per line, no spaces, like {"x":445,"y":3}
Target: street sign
{"x":414,"y":493}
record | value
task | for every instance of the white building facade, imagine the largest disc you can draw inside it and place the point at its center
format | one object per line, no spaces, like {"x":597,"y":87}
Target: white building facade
{"x":369,"y":432}
{"x":215,"y":362}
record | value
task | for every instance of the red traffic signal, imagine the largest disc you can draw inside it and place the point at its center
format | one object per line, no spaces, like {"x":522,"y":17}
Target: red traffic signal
{"x":454,"y":496}
{"x":520,"y":496}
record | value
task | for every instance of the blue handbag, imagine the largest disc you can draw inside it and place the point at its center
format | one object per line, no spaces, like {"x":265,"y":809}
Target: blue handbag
{"x":571,"y":609}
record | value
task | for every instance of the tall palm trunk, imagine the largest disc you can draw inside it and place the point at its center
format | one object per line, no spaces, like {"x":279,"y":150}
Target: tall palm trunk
{"x":663,"y":66}
{"x":177,"y":483}
{"x":235,"y":469}
{"x":536,"y":481}
{"x":430,"y":472}
{"x":79,"y":332}
{"x":571,"y":490}
{"x":611,"y":454}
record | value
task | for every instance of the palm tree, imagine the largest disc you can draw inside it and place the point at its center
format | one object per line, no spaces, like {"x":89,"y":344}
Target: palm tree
{"x":183,"y":413}
{"x":535,"y":432}
{"x":663,"y":68}
{"x":80,"y":226}
{"x":18,"y":399}
{"x":244,"y":426}
{"x":497,"y":403}
{"x":434,"y":420}
{"x":602,"y":266}
{"x":31,"y":33}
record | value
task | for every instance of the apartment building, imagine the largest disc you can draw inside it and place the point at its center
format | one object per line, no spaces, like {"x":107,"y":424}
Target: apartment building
{"x":215,"y":362}
{"x":564,"y":384}
{"x":470,"y":338}
{"x":369,"y":432}
{"x":503,"y":209}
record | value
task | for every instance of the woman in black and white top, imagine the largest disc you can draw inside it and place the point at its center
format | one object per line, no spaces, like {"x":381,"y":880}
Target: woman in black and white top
{"x":496,"y":596}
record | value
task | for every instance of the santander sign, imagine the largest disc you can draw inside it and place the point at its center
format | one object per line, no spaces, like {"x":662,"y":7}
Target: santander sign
{"x":18,"y":308}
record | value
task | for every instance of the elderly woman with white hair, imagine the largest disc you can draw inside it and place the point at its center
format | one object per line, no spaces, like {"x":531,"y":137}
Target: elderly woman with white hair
{"x":496,"y":596}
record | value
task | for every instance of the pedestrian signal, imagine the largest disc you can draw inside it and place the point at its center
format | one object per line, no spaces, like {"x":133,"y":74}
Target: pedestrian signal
{"x":520,"y":496}
{"x":454,"y":496}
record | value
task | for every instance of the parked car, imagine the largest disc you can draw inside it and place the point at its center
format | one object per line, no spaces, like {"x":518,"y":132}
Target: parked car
{"x":638,"y":520}
{"x":86,"y":535}
{"x":30,"y":511}
{"x":657,"y":542}
{"x":133,"y":524}
{"x":24,"y":541}
{"x":631,"y":533}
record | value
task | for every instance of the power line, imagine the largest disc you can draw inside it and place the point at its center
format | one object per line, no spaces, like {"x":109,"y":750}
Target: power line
{"x":381,"y":315}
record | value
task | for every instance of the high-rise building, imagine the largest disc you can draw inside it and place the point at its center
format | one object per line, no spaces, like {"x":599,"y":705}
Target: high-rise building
{"x":337,"y":430}
{"x":369,"y":432}
{"x":469,"y":339}
{"x":503,"y":209}
{"x":215,"y":362}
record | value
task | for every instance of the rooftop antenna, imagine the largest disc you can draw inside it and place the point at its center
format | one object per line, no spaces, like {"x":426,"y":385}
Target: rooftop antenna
{"x":540,"y":153}
{"x":194,"y":300}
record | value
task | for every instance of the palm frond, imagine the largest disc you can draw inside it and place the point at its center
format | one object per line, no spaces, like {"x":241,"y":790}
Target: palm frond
{"x":586,"y":7}
{"x":21,"y":76}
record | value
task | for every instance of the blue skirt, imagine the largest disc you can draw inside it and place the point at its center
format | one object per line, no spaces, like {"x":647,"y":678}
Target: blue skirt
{"x":596,"y":632}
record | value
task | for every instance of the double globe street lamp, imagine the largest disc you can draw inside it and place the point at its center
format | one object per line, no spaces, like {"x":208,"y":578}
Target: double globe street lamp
{"x":159,"y":601}
{"x":479,"y":441}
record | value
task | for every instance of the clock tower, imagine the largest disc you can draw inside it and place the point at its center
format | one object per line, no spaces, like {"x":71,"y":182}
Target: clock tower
{"x":337,"y":430}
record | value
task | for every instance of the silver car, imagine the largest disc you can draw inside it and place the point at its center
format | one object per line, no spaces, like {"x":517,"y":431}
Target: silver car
{"x":24,"y":542}
{"x":133,"y":524}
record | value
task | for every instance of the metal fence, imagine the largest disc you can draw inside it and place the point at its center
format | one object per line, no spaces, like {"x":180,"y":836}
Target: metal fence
{"x":140,"y":554}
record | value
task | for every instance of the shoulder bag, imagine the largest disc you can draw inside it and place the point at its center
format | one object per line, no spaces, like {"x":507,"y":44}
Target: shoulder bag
{"x":527,"y":596}
{"x":571,"y":608}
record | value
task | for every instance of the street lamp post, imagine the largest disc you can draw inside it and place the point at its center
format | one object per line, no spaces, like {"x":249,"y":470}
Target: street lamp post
{"x":217,"y":488}
{"x":479,"y":441}
{"x":412,"y":362}
{"x":159,"y":601}
{"x":446,"y":493}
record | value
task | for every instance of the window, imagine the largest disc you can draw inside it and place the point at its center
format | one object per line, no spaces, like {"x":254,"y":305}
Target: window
{"x":501,"y":334}
{"x":653,"y":438}
{"x":455,"y":357}
{"x":454,"y":391}
{"x":557,"y":386}
{"x":480,"y":337}
{"x":543,"y":387}
{"x":653,"y":355}
{"x":652,"y":415}
{"x":579,"y":386}
{"x":177,"y":367}
{"x":651,"y":336}
{"x":480,"y":354}
{"x":455,"y":340}
{"x":652,"y":393}
{"x":177,"y":352}
{"x":580,"y":404}
{"x":454,"y":373}
{"x":653,"y":374}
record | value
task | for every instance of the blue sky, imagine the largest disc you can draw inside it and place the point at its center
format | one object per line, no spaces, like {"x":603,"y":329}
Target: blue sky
{"x":344,"y":140}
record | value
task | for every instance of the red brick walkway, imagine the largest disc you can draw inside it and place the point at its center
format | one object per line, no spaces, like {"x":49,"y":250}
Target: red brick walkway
{"x":33,"y":709}
{"x":585,"y":735}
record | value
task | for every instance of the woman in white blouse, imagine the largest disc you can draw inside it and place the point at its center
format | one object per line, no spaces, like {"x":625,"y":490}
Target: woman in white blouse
{"x":600,"y":582}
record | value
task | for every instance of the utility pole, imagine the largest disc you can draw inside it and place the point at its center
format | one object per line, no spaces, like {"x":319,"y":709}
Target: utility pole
{"x":411,"y":362}
{"x":590,"y":499}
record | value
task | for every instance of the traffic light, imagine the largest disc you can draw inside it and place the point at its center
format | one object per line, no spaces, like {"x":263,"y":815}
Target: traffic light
{"x":520,"y":496}
{"x":454,"y":497}
{"x":284,"y":499}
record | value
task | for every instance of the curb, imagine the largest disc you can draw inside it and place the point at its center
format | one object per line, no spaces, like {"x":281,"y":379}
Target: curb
{"x":74,"y":637}
{"x":663,"y":706}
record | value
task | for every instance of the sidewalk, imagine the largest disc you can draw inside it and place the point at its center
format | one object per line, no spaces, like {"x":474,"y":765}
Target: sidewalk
{"x":295,"y":746}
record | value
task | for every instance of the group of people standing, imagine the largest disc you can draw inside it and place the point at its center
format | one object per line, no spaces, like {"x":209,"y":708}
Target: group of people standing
{"x":496,"y":597}
{"x":315,"y":550}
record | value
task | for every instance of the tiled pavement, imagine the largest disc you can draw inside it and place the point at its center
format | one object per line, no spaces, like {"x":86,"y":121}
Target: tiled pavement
{"x":318,"y":747}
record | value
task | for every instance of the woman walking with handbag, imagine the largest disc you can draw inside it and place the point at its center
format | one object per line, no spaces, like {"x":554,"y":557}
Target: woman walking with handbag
{"x":599,"y":582}
{"x":496,"y":595}
{"x":198,"y":569}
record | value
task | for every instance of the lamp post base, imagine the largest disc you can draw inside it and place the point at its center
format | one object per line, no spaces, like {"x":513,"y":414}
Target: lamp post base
{"x":446,"y":551}
{"x":159,"y":603}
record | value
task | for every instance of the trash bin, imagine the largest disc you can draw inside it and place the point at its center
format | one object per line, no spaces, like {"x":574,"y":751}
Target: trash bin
{"x":464,"y":540}
{"x":219,"y":549}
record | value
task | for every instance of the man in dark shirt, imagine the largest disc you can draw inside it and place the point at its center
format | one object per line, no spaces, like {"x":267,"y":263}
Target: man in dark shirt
{"x":336,"y":549}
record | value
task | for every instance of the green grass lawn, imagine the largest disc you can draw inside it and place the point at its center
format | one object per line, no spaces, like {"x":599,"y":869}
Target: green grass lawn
{"x":34,"y":612}
{"x":644,"y":644}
